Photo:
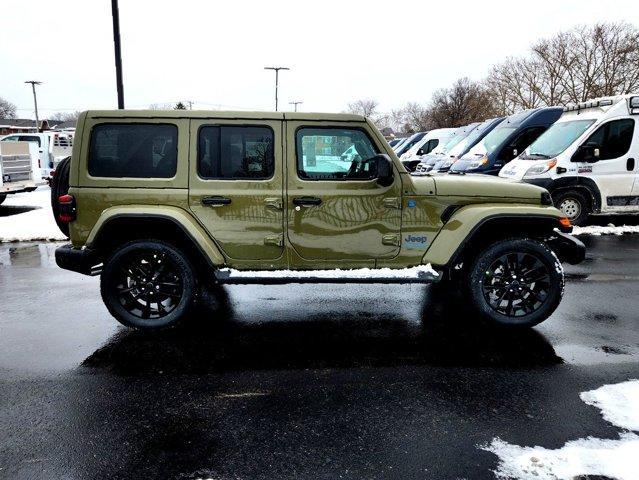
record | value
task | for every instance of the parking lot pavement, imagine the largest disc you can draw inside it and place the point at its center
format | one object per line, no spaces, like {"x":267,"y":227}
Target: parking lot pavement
{"x":301,"y":381}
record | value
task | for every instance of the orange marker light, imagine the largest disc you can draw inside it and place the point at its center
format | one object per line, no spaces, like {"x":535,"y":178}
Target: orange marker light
{"x":565,"y":222}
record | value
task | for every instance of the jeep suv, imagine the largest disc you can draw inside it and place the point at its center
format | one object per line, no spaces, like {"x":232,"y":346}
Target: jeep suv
{"x":163,"y":203}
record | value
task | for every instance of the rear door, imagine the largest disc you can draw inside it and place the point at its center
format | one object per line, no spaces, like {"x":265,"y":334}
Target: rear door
{"x":336,"y":209}
{"x":236,"y":185}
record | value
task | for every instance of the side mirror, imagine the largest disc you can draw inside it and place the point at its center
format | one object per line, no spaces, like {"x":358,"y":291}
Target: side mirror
{"x":515,"y":152}
{"x":421,"y":152}
{"x":384,"y":169}
{"x":590,"y":153}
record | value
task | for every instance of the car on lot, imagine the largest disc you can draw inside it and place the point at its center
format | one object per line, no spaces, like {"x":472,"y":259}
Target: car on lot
{"x":442,"y":164}
{"x":50,"y":148}
{"x":587,"y":159}
{"x":409,"y":142}
{"x":163,"y":203}
{"x":19,"y":169}
{"x":394,"y":141}
{"x":511,"y":137}
{"x":427,"y":144}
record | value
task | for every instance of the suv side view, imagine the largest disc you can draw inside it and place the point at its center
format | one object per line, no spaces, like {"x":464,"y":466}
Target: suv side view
{"x":161,"y":204}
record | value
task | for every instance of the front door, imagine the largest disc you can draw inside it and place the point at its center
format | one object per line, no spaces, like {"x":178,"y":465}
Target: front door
{"x":236,"y":185}
{"x":613,"y":169}
{"x":336,"y":209}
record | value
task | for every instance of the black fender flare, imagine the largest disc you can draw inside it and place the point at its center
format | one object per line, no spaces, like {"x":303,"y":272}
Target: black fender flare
{"x":582,"y":183}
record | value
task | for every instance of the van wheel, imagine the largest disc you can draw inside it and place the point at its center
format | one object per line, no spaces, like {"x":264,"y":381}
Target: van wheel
{"x":148,"y":285}
{"x":573,"y":204}
{"x":2,"y":198}
{"x":60,"y":186}
{"x":516,"y":282}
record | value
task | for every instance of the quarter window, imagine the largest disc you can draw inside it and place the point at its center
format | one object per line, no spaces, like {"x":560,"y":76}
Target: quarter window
{"x":229,"y":152}
{"x":139,"y":150}
{"x":335,"y":154}
{"x":613,"y":138}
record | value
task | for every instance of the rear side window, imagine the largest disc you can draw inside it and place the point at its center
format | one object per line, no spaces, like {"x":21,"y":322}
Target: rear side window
{"x":613,"y":138}
{"x":137,"y":150}
{"x":233,"y":153}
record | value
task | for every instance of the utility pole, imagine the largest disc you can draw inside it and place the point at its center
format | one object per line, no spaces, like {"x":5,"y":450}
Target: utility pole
{"x":35,"y":101}
{"x":118,"y":52}
{"x":277,"y":73}
{"x":190,"y":102}
{"x":295,"y":104}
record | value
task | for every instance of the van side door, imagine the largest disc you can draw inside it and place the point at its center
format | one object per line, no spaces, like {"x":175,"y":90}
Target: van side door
{"x":612,"y":169}
{"x":236,"y":186}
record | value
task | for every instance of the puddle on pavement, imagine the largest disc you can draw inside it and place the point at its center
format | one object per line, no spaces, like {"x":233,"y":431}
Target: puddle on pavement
{"x":33,"y":255}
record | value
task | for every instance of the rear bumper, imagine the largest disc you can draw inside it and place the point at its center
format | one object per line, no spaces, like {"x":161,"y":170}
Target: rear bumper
{"x":568,"y":248}
{"x":84,"y":261}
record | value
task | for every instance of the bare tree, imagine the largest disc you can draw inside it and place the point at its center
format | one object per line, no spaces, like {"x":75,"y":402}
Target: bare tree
{"x":584,"y":63}
{"x":161,"y":106}
{"x":465,"y":102}
{"x":368,"y":108}
{"x":7,"y":109}
{"x":65,"y":116}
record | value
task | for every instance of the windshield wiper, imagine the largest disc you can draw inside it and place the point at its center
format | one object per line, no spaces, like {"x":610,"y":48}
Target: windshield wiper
{"x":542,"y":155}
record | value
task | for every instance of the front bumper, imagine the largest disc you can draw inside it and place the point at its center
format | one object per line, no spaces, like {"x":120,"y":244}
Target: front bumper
{"x":84,"y":261}
{"x":540,"y":182}
{"x":568,"y":248}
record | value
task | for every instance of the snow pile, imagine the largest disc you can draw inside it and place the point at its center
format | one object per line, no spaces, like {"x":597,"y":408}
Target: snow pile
{"x":607,"y":230}
{"x":36,"y":224}
{"x":617,"y":459}
{"x":358,"y":273}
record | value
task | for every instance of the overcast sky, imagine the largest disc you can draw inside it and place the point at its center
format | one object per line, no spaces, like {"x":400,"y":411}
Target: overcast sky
{"x":213,"y":52}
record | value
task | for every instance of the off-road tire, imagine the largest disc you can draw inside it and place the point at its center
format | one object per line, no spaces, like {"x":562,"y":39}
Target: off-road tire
{"x":60,"y":186}
{"x":574,"y":204}
{"x":121,"y":274}
{"x":535,"y":260}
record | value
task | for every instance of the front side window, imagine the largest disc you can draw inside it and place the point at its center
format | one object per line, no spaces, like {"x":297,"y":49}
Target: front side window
{"x":613,"y":138}
{"x":520,"y":143}
{"x":235,"y":152}
{"x":335,"y":154}
{"x":136,"y":150}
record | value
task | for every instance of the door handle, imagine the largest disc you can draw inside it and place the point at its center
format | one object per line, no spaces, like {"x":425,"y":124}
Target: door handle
{"x":215,"y":201}
{"x":630,"y":164}
{"x":307,"y":201}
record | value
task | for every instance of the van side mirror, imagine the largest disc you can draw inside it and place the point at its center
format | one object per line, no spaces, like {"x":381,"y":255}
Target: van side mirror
{"x":589,"y":153}
{"x":421,"y":152}
{"x":384,"y":169}
{"x":515,"y":152}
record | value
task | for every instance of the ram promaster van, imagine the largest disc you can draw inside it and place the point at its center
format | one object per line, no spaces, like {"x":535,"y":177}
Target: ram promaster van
{"x":412,"y":140}
{"x":588,"y":159}
{"x":431,"y":140}
{"x":506,"y":141}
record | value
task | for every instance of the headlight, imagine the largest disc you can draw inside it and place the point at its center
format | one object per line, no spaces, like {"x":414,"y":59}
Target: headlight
{"x":540,"y":168}
{"x":478,"y":163}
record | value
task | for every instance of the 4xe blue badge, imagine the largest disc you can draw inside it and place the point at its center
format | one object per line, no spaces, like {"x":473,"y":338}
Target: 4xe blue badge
{"x":412,"y":203}
{"x":415,"y":241}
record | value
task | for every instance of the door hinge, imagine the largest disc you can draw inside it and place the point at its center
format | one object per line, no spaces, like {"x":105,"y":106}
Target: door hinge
{"x":273,"y":203}
{"x":275,"y":240}
{"x":391,"y":239}
{"x":393,"y":202}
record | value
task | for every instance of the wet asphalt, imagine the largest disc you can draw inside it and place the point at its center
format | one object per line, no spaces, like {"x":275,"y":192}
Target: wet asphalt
{"x":314,"y":381}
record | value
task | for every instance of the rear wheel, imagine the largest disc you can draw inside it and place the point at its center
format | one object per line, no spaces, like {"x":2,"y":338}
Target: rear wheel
{"x":60,"y":186}
{"x":573,"y":204}
{"x":516,"y":282}
{"x":148,"y":285}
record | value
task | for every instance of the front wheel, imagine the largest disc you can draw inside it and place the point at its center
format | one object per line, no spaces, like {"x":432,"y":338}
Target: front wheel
{"x":516,"y":282}
{"x":573,"y":204}
{"x":148,"y":285}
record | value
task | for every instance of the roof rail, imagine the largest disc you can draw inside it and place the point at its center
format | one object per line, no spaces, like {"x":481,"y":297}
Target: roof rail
{"x":604,"y":102}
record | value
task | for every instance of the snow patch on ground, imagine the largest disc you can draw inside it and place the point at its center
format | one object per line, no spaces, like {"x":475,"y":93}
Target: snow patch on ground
{"x":607,"y":230}
{"x":36,"y":224}
{"x":413,"y":272}
{"x":619,"y":404}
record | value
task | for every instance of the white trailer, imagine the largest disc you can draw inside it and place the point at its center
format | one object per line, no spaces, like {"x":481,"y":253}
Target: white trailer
{"x":19,"y":169}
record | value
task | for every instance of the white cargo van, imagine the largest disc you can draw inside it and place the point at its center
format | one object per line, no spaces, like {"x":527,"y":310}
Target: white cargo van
{"x":431,"y":140}
{"x":588,"y":159}
{"x":51,"y":147}
{"x":19,"y":170}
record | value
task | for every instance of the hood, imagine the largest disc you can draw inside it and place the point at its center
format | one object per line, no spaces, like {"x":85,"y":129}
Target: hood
{"x":476,"y":186}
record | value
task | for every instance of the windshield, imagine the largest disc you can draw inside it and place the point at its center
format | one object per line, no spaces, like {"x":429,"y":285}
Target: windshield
{"x":491,"y":141}
{"x":448,"y":146}
{"x":556,"y":139}
{"x":467,"y":141}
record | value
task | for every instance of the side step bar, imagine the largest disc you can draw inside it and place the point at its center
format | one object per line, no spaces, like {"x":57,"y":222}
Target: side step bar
{"x":419,"y":274}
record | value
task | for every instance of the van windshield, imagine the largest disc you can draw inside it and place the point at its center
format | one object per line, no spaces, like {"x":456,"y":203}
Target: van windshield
{"x":470,"y":139}
{"x":491,"y":141}
{"x":459,"y":137}
{"x":556,"y":139}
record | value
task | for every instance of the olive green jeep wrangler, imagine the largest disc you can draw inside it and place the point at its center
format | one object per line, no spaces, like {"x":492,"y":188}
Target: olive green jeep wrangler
{"x":163,"y":203}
